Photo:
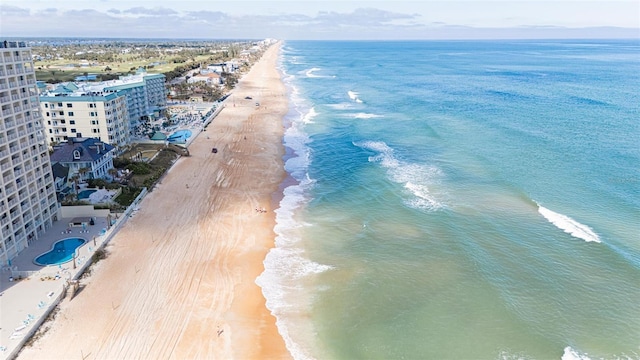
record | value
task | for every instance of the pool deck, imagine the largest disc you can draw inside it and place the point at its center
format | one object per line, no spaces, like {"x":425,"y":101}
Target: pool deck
{"x":24,"y":303}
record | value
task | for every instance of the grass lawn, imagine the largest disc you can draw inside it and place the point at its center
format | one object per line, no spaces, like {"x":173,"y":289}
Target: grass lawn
{"x":68,"y":70}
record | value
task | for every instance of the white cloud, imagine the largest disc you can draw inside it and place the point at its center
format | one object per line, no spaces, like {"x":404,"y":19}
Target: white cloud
{"x":308,"y":19}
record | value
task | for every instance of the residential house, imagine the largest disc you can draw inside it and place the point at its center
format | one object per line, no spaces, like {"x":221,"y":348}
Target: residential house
{"x":89,"y":158}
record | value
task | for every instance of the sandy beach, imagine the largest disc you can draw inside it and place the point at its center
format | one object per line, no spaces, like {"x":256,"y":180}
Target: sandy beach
{"x":179,"y":279}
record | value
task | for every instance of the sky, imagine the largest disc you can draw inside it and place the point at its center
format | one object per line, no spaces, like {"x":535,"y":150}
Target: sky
{"x":324,"y":20}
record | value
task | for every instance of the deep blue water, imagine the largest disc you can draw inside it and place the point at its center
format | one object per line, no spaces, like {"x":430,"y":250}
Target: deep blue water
{"x":460,"y":200}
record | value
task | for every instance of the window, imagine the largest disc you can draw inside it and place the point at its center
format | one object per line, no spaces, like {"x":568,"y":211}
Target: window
{"x":70,"y":113}
{"x":48,"y":121}
{"x":72,"y":122}
{"x":69,"y":105}
{"x":61,"y":113}
{"x":95,"y":131}
{"x":50,"y":131}
{"x":60,"y":104}
{"x":46,"y":106}
{"x":73,"y":131}
{"x":48,"y":115}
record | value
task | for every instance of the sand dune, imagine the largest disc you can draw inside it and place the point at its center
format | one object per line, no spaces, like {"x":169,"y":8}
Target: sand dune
{"x":178,"y":282}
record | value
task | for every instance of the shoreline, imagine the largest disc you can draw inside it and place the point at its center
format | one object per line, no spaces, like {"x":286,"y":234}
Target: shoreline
{"x":179,"y":280}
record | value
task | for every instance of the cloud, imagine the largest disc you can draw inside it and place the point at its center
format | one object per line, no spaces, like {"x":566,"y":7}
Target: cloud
{"x":150,"y":12}
{"x":8,"y":10}
{"x":209,"y":16}
{"x":363,"y":17}
{"x":159,"y":22}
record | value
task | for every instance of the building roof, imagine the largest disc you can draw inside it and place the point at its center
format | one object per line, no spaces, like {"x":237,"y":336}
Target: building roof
{"x":159,"y":136}
{"x":59,"y":170}
{"x":80,"y":150}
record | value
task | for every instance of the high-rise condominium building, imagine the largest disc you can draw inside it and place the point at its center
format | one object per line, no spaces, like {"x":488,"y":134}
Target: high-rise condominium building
{"x":28,"y":202}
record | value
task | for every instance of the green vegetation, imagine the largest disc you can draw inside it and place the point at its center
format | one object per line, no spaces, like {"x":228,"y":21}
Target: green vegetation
{"x":109,"y":60}
{"x":127,"y":196}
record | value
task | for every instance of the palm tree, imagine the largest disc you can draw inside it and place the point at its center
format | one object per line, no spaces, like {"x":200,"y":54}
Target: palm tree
{"x":75,"y":179}
{"x":113,"y":172}
{"x":83,"y":172}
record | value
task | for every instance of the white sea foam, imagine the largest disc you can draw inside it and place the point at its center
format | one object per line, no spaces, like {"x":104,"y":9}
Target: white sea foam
{"x":569,"y":225}
{"x":366,"y":116}
{"x":415,"y":178}
{"x":311,"y":73}
{"x":342,"y":106}
{"x":570,"y":354}
{"x":286,"y":265}
{"x":308,"y":118}
{"x":354,"y":96}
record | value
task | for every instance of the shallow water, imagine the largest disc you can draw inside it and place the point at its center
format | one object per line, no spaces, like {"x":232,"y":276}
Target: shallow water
{"x":460,"y":200}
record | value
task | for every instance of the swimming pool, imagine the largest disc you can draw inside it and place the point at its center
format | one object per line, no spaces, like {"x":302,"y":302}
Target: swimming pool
{"x":84,"y":194}
{"x":61,"y":252}
{"x":179,"y":136}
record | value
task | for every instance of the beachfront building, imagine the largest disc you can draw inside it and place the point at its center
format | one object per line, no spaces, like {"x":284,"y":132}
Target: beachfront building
{"x":86,"y":158}
{"x":146,"y":95}
{"x":109,"y":110}
{"x":210,"y":78}
{"x":28,"y":204}
{"x":85,"y":111}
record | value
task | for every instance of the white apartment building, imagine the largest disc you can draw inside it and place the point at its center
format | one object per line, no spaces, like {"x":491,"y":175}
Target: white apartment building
{"x":70,"y":111}
{"x":28,"y":202}
{"x":146,"y":95}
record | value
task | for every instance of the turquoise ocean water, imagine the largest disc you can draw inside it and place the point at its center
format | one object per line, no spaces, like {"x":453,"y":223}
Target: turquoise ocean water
{"x":460,"y":200}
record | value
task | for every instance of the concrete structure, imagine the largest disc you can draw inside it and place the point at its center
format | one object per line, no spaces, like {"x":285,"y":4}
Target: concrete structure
{"x":109,"y":110}
{"x":84,"y":153}
{"x":28,"y":202}
{"x":211,"y":78}
{"x":86,"y":111}
{"x":146,"y":95}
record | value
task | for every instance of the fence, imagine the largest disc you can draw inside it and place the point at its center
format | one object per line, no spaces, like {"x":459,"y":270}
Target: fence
{"x":83,"y":260}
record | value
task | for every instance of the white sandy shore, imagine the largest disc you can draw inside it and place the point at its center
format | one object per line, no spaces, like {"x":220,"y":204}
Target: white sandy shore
{"x":178,"y":282}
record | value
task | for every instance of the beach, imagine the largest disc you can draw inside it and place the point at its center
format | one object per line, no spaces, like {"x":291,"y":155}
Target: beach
{"x":179,"y":278}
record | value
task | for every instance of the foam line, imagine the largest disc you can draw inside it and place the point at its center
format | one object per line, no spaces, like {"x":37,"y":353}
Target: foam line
{"x":569,"y":225}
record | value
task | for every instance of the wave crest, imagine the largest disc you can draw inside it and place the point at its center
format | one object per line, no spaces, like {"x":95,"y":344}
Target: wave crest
{"x":569,"y":225}
{"x":354,"y":96}
{"x":415,"y":178}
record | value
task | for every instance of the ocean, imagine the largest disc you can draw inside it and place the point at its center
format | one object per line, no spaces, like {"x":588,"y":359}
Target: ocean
{"x":459,"y":200}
